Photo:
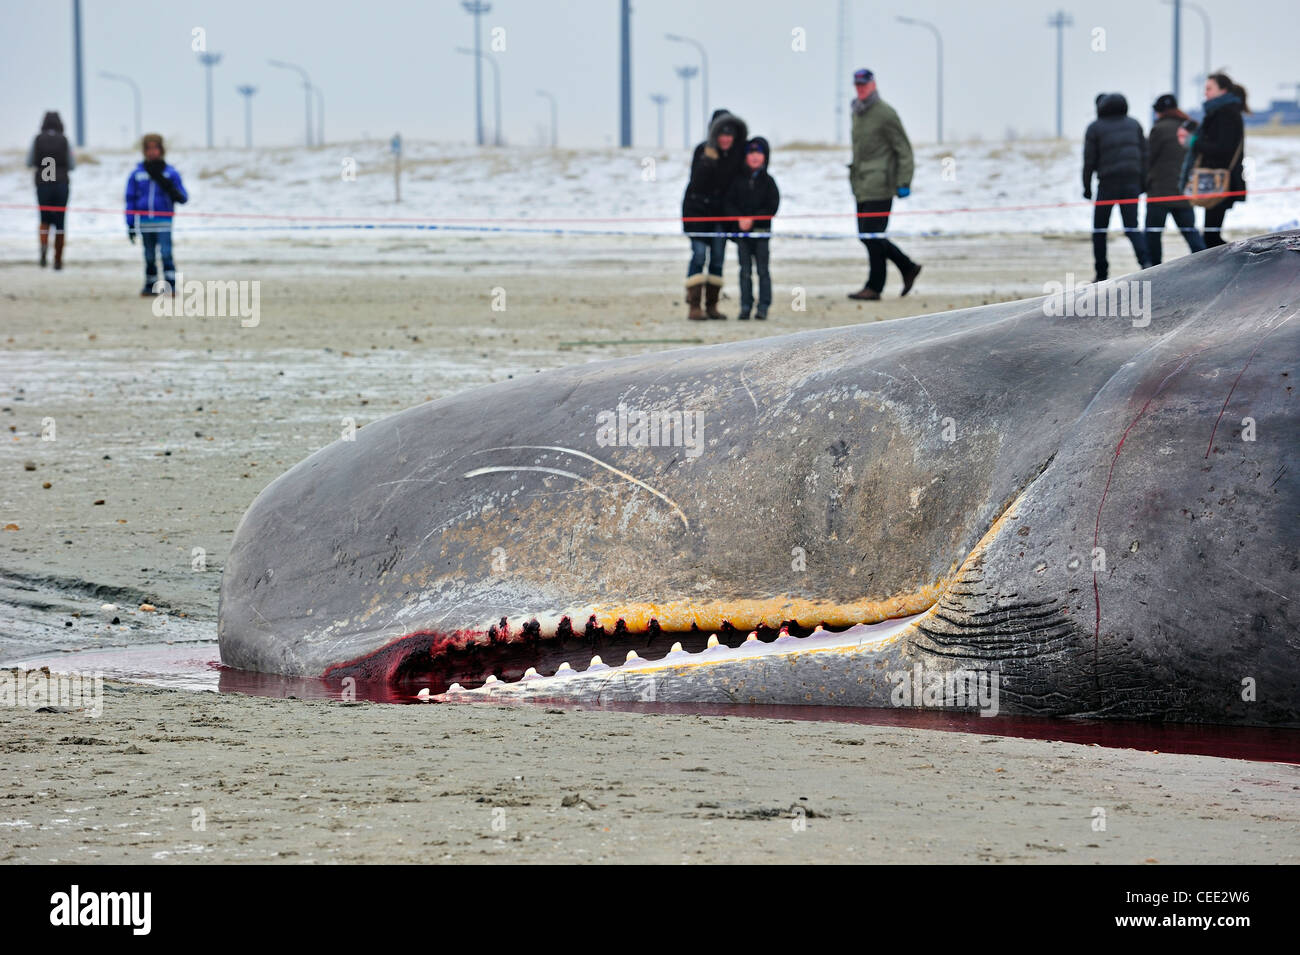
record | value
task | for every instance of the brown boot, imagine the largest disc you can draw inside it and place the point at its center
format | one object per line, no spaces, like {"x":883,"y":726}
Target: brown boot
{"x":45,"y":242}
{"x":58,"y":249}
{"x":711,"y":293}
{"x":693,"y":295}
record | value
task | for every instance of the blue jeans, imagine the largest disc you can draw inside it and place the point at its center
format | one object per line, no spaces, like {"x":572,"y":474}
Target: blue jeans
{"x":155,"y":244}
{"x":714,"y":249}
{"x":1183,"y":217}
{"x":753,"y":252}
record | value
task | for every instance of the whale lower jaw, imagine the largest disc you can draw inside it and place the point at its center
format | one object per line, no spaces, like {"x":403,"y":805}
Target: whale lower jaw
{"x":789,"y":669}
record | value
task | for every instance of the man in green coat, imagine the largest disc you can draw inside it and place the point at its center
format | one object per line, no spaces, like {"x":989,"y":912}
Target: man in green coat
{"x":881,"y":169}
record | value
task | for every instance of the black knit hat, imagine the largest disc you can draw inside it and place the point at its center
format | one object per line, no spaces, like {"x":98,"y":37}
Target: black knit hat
{"x":1164,"y":102}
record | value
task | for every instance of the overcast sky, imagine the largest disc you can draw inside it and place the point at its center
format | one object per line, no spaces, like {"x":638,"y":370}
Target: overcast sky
{"x":387,"y":65}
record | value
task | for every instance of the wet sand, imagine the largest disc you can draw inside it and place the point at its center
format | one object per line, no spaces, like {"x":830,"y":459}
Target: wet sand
{"x":175,"y":424}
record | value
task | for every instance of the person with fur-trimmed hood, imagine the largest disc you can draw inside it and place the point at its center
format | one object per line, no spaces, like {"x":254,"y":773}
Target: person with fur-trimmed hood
{"x":715,"y":164}
{"x":153,"y":190}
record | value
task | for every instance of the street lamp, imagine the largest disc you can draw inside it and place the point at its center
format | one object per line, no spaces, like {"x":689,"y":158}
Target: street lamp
{"x":659,"y":100}
{"x":704,"y":62}
{"x":320,"y":116}
{"x":496,"y":82}
{"x":306,"y":85}
{"x":1205,"y":30}
{"x":135,"y":93}
{"x":1060,"y":20}
{"x":477,"y":8}
{"x":912,"y":21}
{"x":209,"y":60}
{"x":554,"y":115}
{"x":247,"y":92}
{"x":686,"y":72}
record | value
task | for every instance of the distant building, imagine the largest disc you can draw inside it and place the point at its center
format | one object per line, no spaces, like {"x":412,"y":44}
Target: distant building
{"x":1280,"y":112}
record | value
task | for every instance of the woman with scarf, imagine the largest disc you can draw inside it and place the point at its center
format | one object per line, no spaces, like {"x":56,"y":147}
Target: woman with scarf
{"x":1219,"y":143}
{"x":715,"y":163}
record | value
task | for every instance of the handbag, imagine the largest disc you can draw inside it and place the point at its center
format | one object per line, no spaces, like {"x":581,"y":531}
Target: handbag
{"x":1205,"y":187}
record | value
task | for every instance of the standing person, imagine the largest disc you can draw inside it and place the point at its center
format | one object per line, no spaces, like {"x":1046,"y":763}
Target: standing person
{"x":1115,"y":149}
{"x":153,"y":190}
{"x":715,"y":163}
{"x":881,"y":169}
{"x":1220,"y":143}
{"x":52,"y":158}
{"x":1166,"y":164}
{"x":752,"y":200}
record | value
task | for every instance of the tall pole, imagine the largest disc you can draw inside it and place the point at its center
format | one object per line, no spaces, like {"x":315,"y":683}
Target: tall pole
{"x":135,"y":95}
{"x":1178,"y":39}
{"x":659,"y":100}
{"x":306,"y":85}
{"x":1060,"y":20}
{"x":209,"y":60}
{"x":496,"y":80}
{"x":1205,"y":28}
{"x":477,"y":8}
{"x":686,"y":72}
{"x":554,"y":117}
{"x":704,"y":69}
{"x":76,"y":73}
{"x":625,"y":74}
{"x":843,"y":52}
{"x":320,"y":116}
{"x":939,"y":44}
{"x":247,"y":92}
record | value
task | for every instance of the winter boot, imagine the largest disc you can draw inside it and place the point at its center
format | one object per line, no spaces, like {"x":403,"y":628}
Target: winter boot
{"x":909,"y":278}
{"x":693,"y":295}
{"x":711,"y":292}
{"x":58,"y":249}
{"x":45,"y":242}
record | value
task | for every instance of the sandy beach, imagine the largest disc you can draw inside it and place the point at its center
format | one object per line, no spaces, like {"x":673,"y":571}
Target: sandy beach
{"x":165,"y":430}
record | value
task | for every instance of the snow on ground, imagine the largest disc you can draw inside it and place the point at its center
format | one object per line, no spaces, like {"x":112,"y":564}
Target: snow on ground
{"x":237,"y":194}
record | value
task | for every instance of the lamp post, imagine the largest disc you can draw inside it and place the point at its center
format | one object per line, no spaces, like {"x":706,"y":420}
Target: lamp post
{"x":135,"y":95}
{"x":659,"y":99}
{"x":912,"y":21}
{"x":209,"y":60}
{"x":496,"y":86}
{"x":247,"y":92}
{"x":1060,"y":20}
{"x":306,"y":85}
{"x":686,"y":72}
{"x":554,"y":116}
{"x":476,"y":8}
{"x":320,"y":116}
{"x":704,"y":66}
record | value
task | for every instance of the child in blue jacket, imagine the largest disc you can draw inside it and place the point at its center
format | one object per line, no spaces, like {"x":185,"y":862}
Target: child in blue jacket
{"x":153,"y":190}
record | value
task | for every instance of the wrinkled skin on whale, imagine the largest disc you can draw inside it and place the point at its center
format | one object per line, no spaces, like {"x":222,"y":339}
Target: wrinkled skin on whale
{"x":1101,"y":509}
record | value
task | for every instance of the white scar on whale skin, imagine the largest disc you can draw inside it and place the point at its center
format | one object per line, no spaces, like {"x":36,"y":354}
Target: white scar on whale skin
{"x":580,"y":454}
{"x":524,"y":467}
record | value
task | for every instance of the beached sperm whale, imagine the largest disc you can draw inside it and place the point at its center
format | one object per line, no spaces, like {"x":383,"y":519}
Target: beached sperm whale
{"x":1083,"y":504}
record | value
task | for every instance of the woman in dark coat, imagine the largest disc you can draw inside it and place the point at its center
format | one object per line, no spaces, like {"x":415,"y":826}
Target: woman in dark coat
{"x":51,"y":157}
{"x":716,"y":163}
{"x":1220,"y":143}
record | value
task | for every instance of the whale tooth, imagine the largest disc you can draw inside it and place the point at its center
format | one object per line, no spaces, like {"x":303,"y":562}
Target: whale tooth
{"x":530,"y":674}
{"x":713,"y":641}
{"x":819,"y":629}
{"x":676,"y":648}
{"x":492,"y":678}
{"x":563,"y":666}
{"x":455,"y":687}
{"x":596,"y":661}
{"x":423,"y":694}
{"x":785,"y":632}
{"x":631,"y":655}
{"x":753,"y":637}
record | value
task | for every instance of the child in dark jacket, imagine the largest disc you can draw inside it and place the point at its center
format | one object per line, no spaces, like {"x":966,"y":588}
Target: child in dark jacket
{"x":153,"y":190}
{"x":750,"y":203}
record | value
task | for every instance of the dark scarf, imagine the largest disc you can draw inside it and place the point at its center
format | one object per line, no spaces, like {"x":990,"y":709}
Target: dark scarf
{"x":860,"y":106}
{"x":1210,"y":106}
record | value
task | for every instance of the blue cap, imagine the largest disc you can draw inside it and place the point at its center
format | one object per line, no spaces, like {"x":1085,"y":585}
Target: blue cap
{"x":863,"y":76}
